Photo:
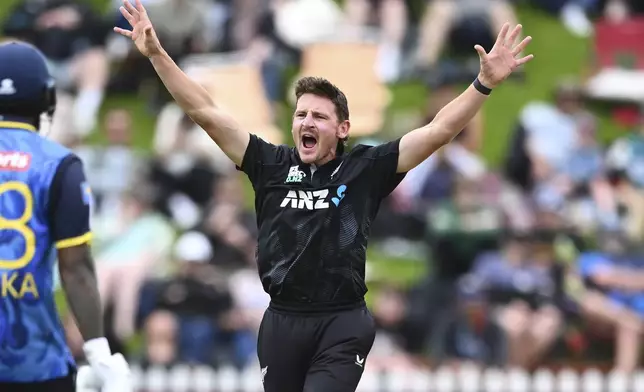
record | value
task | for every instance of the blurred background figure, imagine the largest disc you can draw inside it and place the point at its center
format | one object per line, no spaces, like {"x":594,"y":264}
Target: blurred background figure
{"x":613,"y":278}
{"x":72,"y":36}
{"x":391,"y":17}
{"x":522,"y":284}
{"x":114,"y":165}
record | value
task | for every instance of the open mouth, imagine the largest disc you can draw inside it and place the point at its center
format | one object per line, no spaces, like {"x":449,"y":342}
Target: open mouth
{"x":309,"y":141}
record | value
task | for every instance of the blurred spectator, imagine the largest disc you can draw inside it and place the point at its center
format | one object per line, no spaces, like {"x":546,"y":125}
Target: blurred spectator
{"x":185,"y":168}
{"x":625,"y":157}
{"x":130,"y":246}
{"x":614,"y":279}
{"x":198,"y":298}
{"x":302,"y":22}
{"x":456,"y":179}
{"x":475,"y":18}
{"x":392,"y":16}
{"x":391,"y":314}
{"x":580,"y":189}
{"x":184,"y":29}
{"x":524,"y":286}
{"x":573,"y":13}
{"x":72,"y":37}
{"x":283,"y":31}
{"x":182,"y":25}
{"x":177,"y":134}
{"x":160,"y":339}
{"x":249,"y":296}
{"x":433,"y":179}
{"x":546,"y":136}
{"x":247,"y":20}
{"x":231,"y":229}
{"x":111,"y":168}
{"x":620,"y":10}
{"x":625,"y":166}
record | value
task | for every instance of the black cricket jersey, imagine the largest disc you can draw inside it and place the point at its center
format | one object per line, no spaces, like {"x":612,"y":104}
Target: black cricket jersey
{"x":314,"y":222}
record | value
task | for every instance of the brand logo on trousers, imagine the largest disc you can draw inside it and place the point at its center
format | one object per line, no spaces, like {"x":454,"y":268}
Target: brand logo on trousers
{"x":359,"y":361}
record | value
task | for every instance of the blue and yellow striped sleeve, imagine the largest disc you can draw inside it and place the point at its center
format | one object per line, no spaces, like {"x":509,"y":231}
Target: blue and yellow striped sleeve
{"x":70,"y":202}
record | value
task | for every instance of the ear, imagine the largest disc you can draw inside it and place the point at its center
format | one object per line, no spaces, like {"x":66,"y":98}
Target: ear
{"x":343,"y":130}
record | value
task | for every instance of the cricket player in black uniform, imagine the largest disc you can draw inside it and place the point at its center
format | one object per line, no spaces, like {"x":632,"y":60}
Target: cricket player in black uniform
{"x":314,"y":205}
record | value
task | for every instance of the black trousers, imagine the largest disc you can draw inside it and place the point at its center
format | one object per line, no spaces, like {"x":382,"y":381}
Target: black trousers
{"x":314,"y":352}
{"x":63,"y":384}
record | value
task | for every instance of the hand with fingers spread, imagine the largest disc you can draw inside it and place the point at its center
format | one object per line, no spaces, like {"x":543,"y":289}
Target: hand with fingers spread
{"x":142,"y":33}
{"x":503,"y":59}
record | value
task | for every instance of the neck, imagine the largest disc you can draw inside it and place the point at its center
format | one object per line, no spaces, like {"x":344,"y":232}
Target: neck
{"x":326,"y":159}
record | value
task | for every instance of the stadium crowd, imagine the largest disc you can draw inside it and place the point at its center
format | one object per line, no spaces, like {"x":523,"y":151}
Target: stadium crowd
{"x":524,"y":264}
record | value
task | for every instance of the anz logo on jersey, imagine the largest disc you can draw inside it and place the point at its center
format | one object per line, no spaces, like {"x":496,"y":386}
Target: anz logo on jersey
{"x":313,"y":200}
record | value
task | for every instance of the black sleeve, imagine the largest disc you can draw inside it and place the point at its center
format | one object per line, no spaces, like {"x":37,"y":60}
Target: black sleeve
{"x":259,"y":156}
{"x":69,"y":204}
{"x":384,"y":167}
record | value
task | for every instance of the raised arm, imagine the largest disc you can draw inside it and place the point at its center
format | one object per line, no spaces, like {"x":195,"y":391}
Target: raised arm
{"x":188,"y":94}
{"x":496,"y":66}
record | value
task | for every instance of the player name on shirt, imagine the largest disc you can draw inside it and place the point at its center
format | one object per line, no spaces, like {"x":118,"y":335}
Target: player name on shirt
{"x":18,"y":285}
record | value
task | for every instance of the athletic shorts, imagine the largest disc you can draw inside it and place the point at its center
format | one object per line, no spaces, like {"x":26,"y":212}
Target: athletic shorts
{"x":63,"y":384}
{"x":314,"y":352}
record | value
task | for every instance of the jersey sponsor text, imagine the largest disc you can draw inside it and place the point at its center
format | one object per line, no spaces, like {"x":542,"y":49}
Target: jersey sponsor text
{"x":14,"y":161}
{"x":306,"y":200}
{"x":312,"y":200}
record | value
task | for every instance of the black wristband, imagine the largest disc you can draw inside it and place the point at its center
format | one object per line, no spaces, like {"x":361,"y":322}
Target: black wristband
{"x":481,"y":88}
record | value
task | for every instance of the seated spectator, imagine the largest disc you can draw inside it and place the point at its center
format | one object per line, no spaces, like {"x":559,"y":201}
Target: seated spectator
{"x":444,"y":16}
{"x":625,"y":167}
{"x":210,"y":328}
{"x":249,"y":296}
{"x":176,"y":133}
{"x":614,"y":281}
{"x":229,"y":226}
{"x":182,"y":27}
{"x":112,"y":167}
{"x":392,"y":16}
{"x":160,"y":338}
{"x":523,"y":285}
{"x":579,"y":188}
{"x":282,"y":31}
{"x":130,"y":246}
{"x":620,"y":10}
{"x":546,"y":136}
{"x":433,"y":179}
{"x":72,"y":38}
{"x":185,"y":168}
{"x":390,"y":312}
{"x":574,"y":14}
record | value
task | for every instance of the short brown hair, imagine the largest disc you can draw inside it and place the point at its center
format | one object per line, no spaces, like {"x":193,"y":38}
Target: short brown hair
{"x":323,"y":88}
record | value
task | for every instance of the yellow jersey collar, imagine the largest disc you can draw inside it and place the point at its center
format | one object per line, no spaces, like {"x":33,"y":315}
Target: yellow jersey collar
{"x":17,"y":125}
